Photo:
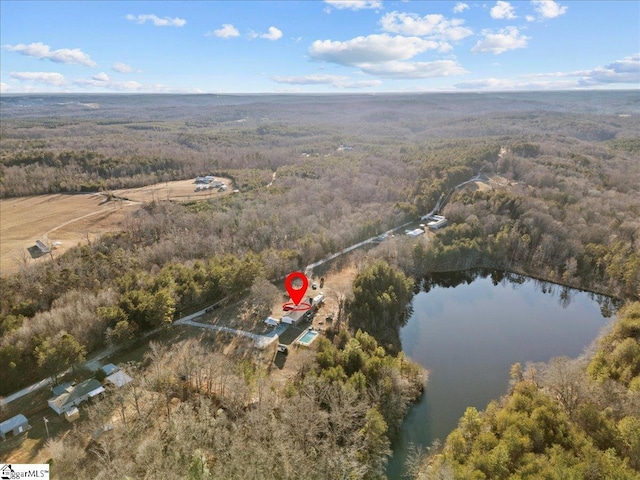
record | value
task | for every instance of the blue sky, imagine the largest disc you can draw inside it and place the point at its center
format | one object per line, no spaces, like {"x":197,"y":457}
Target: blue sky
{"x":318,"y":46}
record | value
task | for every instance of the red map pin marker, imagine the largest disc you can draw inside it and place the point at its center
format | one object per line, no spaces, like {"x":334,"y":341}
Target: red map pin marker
{"x":296,"y":294}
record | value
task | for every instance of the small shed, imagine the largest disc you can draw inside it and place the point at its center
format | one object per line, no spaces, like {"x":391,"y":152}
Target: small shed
{"x":43,"y":247}
{"x":72,"y":414}
{"x":272,"y":322}
{"x":119,"y":379}
{"x":15,"y":425}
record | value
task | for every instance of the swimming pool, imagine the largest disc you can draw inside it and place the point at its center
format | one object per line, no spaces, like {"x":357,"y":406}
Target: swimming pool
{"x":306,"y":339}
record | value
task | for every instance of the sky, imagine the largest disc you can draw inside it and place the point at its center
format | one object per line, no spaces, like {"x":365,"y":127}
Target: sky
{"x":314,"y":46}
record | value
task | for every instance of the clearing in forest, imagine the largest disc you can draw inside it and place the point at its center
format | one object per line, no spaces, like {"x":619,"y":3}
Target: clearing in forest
{"x":66,"y":220}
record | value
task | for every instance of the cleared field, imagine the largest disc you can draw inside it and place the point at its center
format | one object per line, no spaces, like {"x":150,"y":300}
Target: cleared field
{"x":182,"y":190}
{"x":68,"y":219}
{"x":74,"y":219}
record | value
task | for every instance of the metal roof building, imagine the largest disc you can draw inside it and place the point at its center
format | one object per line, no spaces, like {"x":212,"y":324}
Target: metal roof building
{"x":17,"y":425}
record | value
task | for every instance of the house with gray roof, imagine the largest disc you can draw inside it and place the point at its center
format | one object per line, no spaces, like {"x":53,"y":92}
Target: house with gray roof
{"x":74,"y":395}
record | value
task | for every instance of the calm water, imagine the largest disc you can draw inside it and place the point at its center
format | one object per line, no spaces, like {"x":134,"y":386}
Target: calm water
{"x":469,"y":335}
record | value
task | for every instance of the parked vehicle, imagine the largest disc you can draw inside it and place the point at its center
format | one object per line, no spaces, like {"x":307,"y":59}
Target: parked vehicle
{"x":283,"y":348}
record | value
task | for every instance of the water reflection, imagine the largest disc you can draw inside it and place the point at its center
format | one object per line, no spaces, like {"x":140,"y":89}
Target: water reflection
{"x":564,"y":294}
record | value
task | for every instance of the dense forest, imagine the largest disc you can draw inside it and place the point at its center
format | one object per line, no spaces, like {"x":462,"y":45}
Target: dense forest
{"x":561,"y":203}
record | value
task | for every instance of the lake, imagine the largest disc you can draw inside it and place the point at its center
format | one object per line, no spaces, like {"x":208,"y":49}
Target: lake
{"x":468,"y":328}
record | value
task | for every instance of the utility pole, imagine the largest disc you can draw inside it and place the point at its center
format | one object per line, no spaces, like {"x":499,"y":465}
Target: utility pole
{"x":46,"y":425}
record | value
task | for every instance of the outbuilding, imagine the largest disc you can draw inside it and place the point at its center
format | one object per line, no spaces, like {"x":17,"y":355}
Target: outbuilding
{"x":318,"y":300}
{"x":119,"y":379}
{"x":437,"y":221}
{"x":44,"y":248}
{"x":272,"y":322}
{"x":15,"y":425}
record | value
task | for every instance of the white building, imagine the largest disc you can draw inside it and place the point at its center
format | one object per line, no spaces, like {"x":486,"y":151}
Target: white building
{"x":437,"y":221}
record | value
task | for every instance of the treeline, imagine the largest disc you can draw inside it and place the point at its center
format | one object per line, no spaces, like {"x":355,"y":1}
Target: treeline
{"x":200,"y":413}
{"x":44,"y":171}
{"x":565,"y":419}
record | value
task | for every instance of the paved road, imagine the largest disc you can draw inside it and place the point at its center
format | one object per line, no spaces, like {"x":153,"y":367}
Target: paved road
{"x":25,"y":391}
{"x":309,"y":268}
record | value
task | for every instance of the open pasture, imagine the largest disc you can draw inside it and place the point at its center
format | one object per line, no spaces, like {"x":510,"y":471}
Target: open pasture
{"x":73,"y":219}
{"x":68,"y":219}
{"x":181,"y":191}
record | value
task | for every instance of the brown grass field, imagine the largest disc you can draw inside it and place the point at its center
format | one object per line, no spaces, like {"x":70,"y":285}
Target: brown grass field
{"x":181,"y":190}
{"x":76,"y":219}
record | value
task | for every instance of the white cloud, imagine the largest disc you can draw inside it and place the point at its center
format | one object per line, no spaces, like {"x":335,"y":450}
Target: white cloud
{"x":102,"y":77}
{"x":382,"y":55}
{"x":505,"y":39}
{"x":42,"y":51}
{"x":432,"y":26}
{"x":626,"y":70}
{"x":411,"y":70}
{"x":549,"y":8}
{"x":460,"y":7}
{"x":102,"y":80}
{"x":121,"y":67}
{"x":530,"y":18}
{"x":354,"y":4}
{"x":503,"y":10}
{"x":370,"y":49}
{"x":4,"y":88}
{"x":48,"y":78}
{"x":504,"y":84}
{"x":338,"y":81}
{"x":273,"y":34}
{"x":157,"y":21}
{"x":227,"y":31}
